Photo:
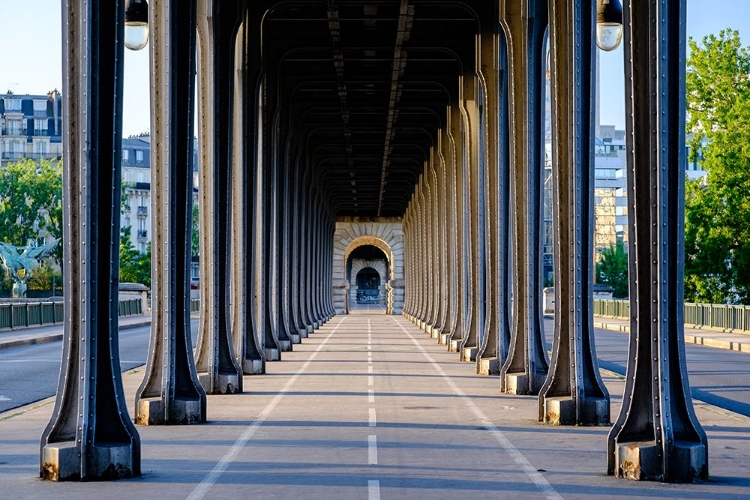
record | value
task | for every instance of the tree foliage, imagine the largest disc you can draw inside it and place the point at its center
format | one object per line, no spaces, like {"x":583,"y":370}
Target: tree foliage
{"x":135,"y":266}
{"x":717,"y":209}
{"x":31,"y":202}
{"x":612,"y":269}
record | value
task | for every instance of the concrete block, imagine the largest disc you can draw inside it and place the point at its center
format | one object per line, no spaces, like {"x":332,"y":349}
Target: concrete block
{"x":182,"y":411}
{"x":489,"y":366}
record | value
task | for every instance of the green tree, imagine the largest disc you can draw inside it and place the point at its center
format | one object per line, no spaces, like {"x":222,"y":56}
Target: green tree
{"x":31,"y":202}
{"x":612,"y":269}
{"x":717,"y":209}
{"x":135,"y":266}
{"x":195,"y":234}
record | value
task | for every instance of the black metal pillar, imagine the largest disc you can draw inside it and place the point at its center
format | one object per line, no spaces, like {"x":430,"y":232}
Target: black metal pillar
{"x":90,"y":435}
{"x":216,"y":363}
{"x":657,"y":435}
{"x":524,"y":23}
{"x":248,"y":349}
{"x":573,"y":393}
{"x":170,"y":392}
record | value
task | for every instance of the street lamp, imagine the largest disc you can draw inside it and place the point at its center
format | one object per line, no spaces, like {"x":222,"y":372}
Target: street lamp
{"x":608,"y":24}
{"x":136,"y":24}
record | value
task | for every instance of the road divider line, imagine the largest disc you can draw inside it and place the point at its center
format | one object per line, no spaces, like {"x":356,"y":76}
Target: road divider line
{"x":531,"y":472}
{"x":373,"y":490}
{"x":373,"y":418}
{"x":372,"y":449}
{"x":370,"y":396}
{"x":370,"y":380}
{"x":369,"y":369}
{"x":213,"y":476}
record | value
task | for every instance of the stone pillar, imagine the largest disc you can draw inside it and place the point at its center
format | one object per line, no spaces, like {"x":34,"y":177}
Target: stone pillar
{"x":396,"y":292}
{"x":90,"y":435}
{"x":170,"y":392}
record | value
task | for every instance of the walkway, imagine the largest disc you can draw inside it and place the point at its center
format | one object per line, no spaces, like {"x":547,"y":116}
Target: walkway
{"x":370,"y":407}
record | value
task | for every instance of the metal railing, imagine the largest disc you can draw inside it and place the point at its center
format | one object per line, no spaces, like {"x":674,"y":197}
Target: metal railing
{"x":715,"y":316}
{"x":24,"y":315}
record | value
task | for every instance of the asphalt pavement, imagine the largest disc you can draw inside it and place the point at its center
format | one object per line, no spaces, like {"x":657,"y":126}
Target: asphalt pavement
{"x":370,"y":407}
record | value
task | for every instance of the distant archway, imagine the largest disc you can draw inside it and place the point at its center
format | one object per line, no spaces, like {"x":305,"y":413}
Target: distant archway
{"x":387,"y":236}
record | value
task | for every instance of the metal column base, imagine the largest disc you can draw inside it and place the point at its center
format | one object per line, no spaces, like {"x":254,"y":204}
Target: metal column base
{"x":296,"y":338}
{"x":454,"y":345}
{"x":285,"y":345}
{"x":226,"y":383}
{"x":642,"y":461}
{"x":183,"y":411}
{"x":469,"y":353}
{"x":436,"y":332}
{"x":253,"y":367}
{"x":62,"y":462}
{"x":444,"y":338}
{"x":522,"y":384}
{"x":489,"y":366}
{"x":302,"y":334}
{"x":562,"y":411}
{"x":273,"y":354}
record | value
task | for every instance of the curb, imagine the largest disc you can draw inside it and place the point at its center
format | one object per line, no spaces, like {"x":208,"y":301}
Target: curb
{"x":54,"y":337}
{"x":728,"y":345}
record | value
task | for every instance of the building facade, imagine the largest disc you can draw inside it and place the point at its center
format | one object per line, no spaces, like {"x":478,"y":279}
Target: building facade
{"x":30,"y":127}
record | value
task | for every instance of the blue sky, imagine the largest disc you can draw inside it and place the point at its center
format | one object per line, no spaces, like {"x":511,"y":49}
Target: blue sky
{"x":31,"y":55}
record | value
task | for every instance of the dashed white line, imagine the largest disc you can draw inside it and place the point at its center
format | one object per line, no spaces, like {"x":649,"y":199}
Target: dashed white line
{"x":5,"y":398}
{"x":370,"y":380}
{"x":373,"y":488}
{"x":531,"y":472}
{"x":373,"y":418}
{"x":370,"y":396}
{"x":369,"y":369}
{"x":372,"y":449}
{"x":213,"y":476}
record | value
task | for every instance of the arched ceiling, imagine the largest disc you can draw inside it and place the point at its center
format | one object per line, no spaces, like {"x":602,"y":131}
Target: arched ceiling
{"x":361,"y":89}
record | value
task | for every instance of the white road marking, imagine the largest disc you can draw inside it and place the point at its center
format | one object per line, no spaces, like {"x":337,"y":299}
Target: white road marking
{"x":370,"y":396}
{"x":531,"y":472}
{"x":5,"y":398}
{"x":372,"y":449}
{"x":369,"y":369}
{"x":373,"y":488}
{"x":370,"y":380}
{"x":213,"y":476}
{"x":373,"y":418}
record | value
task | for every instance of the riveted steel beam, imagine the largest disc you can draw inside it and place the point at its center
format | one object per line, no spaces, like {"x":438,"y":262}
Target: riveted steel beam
{"x":90,"y":435}
{"x":170,"y":392}
{"x":247,"y":343}
{"x":524,"y":24}
{"x":573,"y":393}
{"x":216,"y":363}
{"x":657,"y":435}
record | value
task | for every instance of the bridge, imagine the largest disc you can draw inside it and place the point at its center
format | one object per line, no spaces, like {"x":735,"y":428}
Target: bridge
{"x":405,"y":135}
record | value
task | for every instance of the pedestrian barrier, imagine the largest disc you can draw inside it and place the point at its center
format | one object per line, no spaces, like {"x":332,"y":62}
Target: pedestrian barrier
{"x":716,"y":316}
{"x":24,"y":315}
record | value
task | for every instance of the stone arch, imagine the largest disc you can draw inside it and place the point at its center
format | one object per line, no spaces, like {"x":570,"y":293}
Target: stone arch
{"x":385,"y":234}
{"x":376,"y":265}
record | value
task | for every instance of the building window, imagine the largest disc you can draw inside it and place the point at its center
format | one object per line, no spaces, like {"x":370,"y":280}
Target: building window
{"x":14,"y":127}
{"x":40,"y":127}
{"x":138,"y":157}
{"x":12,"y":104}
{"x":125,"y":155}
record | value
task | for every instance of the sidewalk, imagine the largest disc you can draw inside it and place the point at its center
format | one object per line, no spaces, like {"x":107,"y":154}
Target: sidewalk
{"x":371,"y":405}
{"x":54,"y":333}
{"x":739,"y":342}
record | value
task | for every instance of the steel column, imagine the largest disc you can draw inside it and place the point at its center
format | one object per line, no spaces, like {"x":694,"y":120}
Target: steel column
{"x":249,"y":351}
{"x":90,"y":435}
{"x":170,"y":392}
{"x":524,"y":23}
{"x":573,"y":393}
{"x":657,"y":435}
{"x":216,"y":363}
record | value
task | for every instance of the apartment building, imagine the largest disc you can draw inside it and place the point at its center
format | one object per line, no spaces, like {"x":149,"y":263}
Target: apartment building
{"x":30,"y":127}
